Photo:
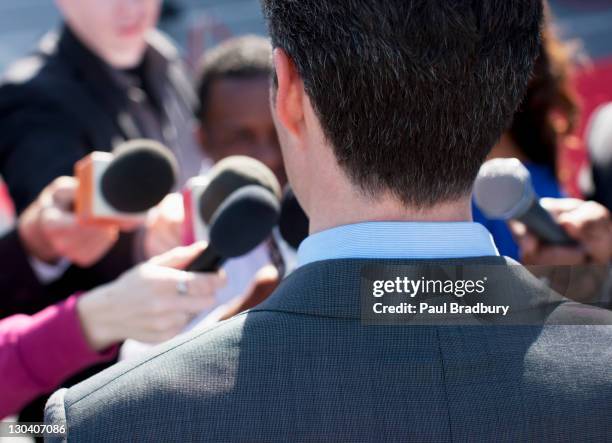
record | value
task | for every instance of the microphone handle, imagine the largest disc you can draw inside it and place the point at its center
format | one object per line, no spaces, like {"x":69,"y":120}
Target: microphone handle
{"x":541,"y":223}
{"x":208,"y":261}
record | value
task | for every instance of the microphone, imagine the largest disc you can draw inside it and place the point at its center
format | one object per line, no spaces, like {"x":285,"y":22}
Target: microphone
{"x":244,"y":220}
{"x":203,"y":195}
{"x":503,"y":191}
{"x":293,"y":222}
{"x":121,"y":186}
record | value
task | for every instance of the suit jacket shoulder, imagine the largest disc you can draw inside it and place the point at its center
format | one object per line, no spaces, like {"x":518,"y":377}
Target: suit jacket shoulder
{"x":303,"y":367}
{"x":209,"y":356}
{"x":39,"y":78}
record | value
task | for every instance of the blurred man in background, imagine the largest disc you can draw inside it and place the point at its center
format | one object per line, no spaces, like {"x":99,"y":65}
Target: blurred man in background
{"x":233,"y":117}
{"x":233,"y":87}
{"x":107,"y":76}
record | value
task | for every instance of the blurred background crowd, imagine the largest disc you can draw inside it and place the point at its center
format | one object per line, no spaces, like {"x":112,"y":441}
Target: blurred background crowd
{"x":195,"y":25}
{"x":222,"y":85}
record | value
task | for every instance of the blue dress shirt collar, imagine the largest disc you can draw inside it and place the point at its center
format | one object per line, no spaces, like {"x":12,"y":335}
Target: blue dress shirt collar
{"x":398,"y":240}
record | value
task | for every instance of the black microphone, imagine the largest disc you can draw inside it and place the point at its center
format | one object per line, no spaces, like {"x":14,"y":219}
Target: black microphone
{"x":203,"y":195}
{"x":230,"y":174}
{"x":126,"y":183}
{"x":503,"y":191}
{"x":293,"y":222}
{"x":141,"y":175}
{"x":243,"y":221}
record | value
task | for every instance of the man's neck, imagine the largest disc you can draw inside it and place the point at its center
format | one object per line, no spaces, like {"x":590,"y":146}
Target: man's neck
{"x":352,"y":207}
{"x":334,"y":200}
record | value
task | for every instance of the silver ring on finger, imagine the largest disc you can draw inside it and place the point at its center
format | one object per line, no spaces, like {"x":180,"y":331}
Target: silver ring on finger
{"x":182,"y":286}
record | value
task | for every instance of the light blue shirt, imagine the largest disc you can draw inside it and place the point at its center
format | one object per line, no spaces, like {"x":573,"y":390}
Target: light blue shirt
{"x":398,"y":240}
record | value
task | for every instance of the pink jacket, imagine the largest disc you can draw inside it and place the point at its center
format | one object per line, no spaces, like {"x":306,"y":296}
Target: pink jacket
{"x":39,"y":352}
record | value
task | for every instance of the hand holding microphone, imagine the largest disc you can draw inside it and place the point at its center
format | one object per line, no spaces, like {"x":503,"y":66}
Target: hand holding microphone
{"x":79,"y":218}
{"x":293,"y":227}
{"x":236,"y":206}
{"x":145,"y":303}
{"x":586,"y":222}
{"x":50,"y":230}
{"x":119,"y":188}
{"x":187,"y":218}
{"x":549,"y":231}
{"x":243,"y":221}
{"x":503,"y":191}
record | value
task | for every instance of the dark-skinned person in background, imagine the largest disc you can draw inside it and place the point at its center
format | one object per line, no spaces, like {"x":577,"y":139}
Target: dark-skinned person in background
{"x":234,"y":118}
{"x":233,"y":86}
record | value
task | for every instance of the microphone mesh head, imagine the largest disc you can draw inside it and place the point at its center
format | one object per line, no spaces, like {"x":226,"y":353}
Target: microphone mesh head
{"x":503,"y":189}
{"x":142,"y":173}
{"x":244,"y":220}
{"x":231,"y":174}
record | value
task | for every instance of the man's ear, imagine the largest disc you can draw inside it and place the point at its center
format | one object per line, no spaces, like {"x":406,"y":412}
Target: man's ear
{"x":289,"y":93}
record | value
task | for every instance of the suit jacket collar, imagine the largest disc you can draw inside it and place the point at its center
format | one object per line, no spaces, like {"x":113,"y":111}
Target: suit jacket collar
{"x":98,"y":76}
{"x":95,"y":74}
{"x":332,"y":288}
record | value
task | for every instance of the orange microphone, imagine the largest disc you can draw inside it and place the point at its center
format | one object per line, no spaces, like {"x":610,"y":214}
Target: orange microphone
{"x":120,"y":187}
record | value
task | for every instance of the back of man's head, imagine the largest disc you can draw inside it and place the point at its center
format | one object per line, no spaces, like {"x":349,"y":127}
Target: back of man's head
{"x":411,"y":95}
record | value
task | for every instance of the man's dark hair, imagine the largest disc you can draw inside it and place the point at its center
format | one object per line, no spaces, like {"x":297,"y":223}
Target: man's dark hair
{"x":411,"y":94}
{"x":245,"y":57}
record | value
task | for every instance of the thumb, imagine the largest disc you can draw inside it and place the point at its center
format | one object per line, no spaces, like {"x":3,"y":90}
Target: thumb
{"x":179,"y":258}
{"x":55,"y":219}
{"x":64,"y":191}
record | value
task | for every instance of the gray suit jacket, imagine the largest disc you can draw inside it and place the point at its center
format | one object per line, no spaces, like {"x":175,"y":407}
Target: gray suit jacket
{"x":302,"y":367}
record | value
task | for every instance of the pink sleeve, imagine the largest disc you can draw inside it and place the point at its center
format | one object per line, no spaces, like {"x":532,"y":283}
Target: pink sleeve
{"x":38,"y":352}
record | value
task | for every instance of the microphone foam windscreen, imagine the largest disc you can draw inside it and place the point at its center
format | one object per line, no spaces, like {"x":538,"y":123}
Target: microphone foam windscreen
{"x":503,"y":189}
{"x":243,"y":221}
{"x":231,"y":174}
{"x":293,"y":223}
{"x":599,"y":136}
{"x":142,"y":173}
